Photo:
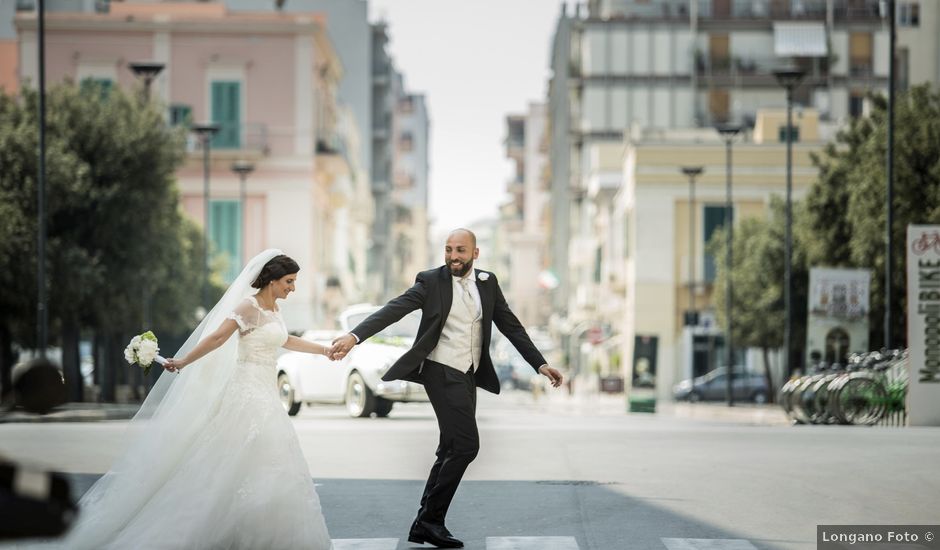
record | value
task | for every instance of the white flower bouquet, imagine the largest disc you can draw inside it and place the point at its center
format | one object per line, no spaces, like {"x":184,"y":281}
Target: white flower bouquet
{"x":142,"y":350}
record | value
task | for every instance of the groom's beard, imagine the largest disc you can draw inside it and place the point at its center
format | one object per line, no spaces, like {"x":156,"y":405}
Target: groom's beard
{"x":461,"y":269}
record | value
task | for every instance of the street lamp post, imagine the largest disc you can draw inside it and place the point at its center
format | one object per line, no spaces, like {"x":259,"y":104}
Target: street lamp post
{"x":889,"y":201}
{"x":205,"y":132}
{"x":146,"y":71}
{"x":243,"y":168}
{"x":728,"y":133}
{"x":42,"y":310}
{"x":692,"y":172}
{"x":789,"y":79}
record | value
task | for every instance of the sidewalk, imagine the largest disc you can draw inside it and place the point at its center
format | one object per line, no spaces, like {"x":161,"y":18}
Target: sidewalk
{"x":76,"y":412}
{"x":605,"y":404}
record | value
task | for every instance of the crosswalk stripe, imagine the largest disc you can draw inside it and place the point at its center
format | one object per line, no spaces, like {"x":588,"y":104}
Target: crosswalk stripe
{"x":707,"y":544}
{"x":365,"y":544}
{"x":531,"y":543}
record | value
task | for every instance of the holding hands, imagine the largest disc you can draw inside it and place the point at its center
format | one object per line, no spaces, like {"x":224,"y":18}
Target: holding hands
{"x":341,"y":346}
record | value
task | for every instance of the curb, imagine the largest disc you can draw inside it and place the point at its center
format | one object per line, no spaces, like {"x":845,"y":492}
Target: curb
{"x":75,"y":412}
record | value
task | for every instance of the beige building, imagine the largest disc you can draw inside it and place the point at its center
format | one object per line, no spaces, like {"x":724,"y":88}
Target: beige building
{"x":524,"y":217}
{"x":653,"y":209}
{"x":651,"y":67}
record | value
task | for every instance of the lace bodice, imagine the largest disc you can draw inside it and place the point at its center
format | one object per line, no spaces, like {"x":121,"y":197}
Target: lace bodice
{"x":261,"y":332}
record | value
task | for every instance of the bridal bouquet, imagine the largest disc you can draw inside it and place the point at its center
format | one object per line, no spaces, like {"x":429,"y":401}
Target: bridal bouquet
{"x":143,"y":350}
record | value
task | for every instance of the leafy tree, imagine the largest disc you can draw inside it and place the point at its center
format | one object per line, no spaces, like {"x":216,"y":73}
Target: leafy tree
{"x":115,"y":231}
{"x":757,"y":275}
{"x":846,"y":213}
{"x":840,"y":223}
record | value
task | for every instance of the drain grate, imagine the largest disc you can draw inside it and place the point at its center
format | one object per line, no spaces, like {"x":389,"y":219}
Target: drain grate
{"x":576,"y":482}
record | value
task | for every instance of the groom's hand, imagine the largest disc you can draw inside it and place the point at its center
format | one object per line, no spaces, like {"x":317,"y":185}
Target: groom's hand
{"x":341,"y":346}
{"x":552,"y":374}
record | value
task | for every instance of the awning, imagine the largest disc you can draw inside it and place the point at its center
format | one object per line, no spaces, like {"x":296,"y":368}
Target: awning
{"x":800,"y":39}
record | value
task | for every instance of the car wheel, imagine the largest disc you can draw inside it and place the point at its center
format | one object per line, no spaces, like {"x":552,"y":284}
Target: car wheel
{"x":760,"y":397}
{"x":695,"y":397}
{"x":383,"y":407}
{"x":286,"y":391}
{"x":360,"y":401}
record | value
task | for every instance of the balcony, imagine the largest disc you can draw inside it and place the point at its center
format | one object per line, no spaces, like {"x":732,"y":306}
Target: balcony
{"x":251,"y":139}
{"x":754,"y":70}
{"x":744,"y":11}
{"x":626,"y":10}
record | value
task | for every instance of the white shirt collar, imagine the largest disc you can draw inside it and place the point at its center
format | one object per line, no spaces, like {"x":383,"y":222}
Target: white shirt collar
{"x":472,"y":276}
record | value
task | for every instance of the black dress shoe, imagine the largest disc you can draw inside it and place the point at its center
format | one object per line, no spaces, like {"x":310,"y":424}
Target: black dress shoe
{"x":438,"y":535}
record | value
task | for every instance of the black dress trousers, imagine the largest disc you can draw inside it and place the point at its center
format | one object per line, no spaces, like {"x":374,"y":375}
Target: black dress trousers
{"x":453,"y":396}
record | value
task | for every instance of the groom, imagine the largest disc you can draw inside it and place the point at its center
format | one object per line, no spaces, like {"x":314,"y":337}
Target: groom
{"x":450,"y":356}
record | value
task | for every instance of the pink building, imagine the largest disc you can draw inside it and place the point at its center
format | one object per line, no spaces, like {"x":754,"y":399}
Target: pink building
{"x":267,"y":79}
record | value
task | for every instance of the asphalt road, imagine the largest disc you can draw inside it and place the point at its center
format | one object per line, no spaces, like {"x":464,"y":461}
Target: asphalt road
{"x":556,"y":475}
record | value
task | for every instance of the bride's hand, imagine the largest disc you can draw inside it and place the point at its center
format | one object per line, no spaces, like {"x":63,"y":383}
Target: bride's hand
{"x":174,"y":365}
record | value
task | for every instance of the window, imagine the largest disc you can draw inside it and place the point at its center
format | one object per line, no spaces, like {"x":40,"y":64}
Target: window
{"x":909,"y":14}
{"x":225,"y":232}
{"x":860,"y":53}
{"x":406,"y":105}
{"x":904,"y":69}
{"x":794,"y":134}
{"x":856,"y":104}
{"x":101,"y":86}
{"x":226,"y":112}
{"x":181,"y":115}
{"x":719,"y":105}
{"x":405,"y":142}
{"x":714,"y":219}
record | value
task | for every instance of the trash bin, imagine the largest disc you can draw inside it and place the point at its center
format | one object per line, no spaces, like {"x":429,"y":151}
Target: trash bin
{"x":640,"y":404}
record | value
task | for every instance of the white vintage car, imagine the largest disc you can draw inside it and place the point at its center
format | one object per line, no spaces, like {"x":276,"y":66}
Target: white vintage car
{"x":356,"y":380}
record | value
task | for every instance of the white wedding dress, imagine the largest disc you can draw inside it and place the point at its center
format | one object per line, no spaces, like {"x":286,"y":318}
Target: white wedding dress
{"x":243,"y":482}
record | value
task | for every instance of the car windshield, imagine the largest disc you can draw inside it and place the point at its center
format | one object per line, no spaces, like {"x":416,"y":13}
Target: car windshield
{"x":407,"y":327}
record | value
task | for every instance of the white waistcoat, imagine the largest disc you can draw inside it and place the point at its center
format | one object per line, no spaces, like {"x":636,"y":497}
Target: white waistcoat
{"x":461,"y":342}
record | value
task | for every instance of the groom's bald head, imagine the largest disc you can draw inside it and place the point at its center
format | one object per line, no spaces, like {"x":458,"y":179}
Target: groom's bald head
{"x":461,"y":232}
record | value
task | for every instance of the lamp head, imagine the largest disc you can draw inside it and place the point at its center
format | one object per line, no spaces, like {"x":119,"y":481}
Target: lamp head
{"x":147,"y":70}
{"x":728,"y":131}
{"x":243,"y":167}
{"x":692,"y":171}
{"x":789,"y":77}
{"x":205,"y":130}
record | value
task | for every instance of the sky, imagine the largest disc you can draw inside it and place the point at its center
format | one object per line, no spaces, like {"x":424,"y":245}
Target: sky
{"x":476,"y":61}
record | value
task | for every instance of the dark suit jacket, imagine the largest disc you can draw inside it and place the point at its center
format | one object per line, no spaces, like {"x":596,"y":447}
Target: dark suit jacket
{"x":433,"y":294}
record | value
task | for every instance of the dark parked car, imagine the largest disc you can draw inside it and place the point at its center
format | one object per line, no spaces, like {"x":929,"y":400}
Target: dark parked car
{"x":712,"y":386}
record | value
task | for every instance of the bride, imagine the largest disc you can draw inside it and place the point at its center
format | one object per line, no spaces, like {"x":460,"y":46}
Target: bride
{"x":213,"y":460}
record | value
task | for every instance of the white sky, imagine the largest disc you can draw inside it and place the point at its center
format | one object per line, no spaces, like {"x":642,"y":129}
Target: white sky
{"x":476,"y":61}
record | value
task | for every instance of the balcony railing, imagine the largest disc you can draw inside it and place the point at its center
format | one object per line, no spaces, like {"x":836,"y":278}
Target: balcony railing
{"x":754,"y":66}
{"x":248,"y":137}
{"x":855,"y":10}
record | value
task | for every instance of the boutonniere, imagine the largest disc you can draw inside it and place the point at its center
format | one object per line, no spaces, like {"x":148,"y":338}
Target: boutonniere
{"x":483,"y":276}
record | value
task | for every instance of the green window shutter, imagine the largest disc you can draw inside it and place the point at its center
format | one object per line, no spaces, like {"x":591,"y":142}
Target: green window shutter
{"x":101,"y":86}
{"x":225,"y":231}
{"x":226,"y":112}
{"x":714,"y":219}
{"x":181,"y":115}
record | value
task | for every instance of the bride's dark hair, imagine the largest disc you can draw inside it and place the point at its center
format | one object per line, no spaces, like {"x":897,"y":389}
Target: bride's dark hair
{"x":276,"y":268}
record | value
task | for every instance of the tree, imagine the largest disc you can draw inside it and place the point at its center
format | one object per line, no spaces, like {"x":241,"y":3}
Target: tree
{"x":846,"y":214}
{"x":757,"y":275}
{"x":115,"y":232}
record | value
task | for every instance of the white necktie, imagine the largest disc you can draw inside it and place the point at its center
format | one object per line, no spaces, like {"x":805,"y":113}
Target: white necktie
{"x":467,"y":298}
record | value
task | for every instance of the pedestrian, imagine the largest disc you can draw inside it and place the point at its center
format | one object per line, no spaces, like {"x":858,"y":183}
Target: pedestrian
{"x":450,"y":357}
